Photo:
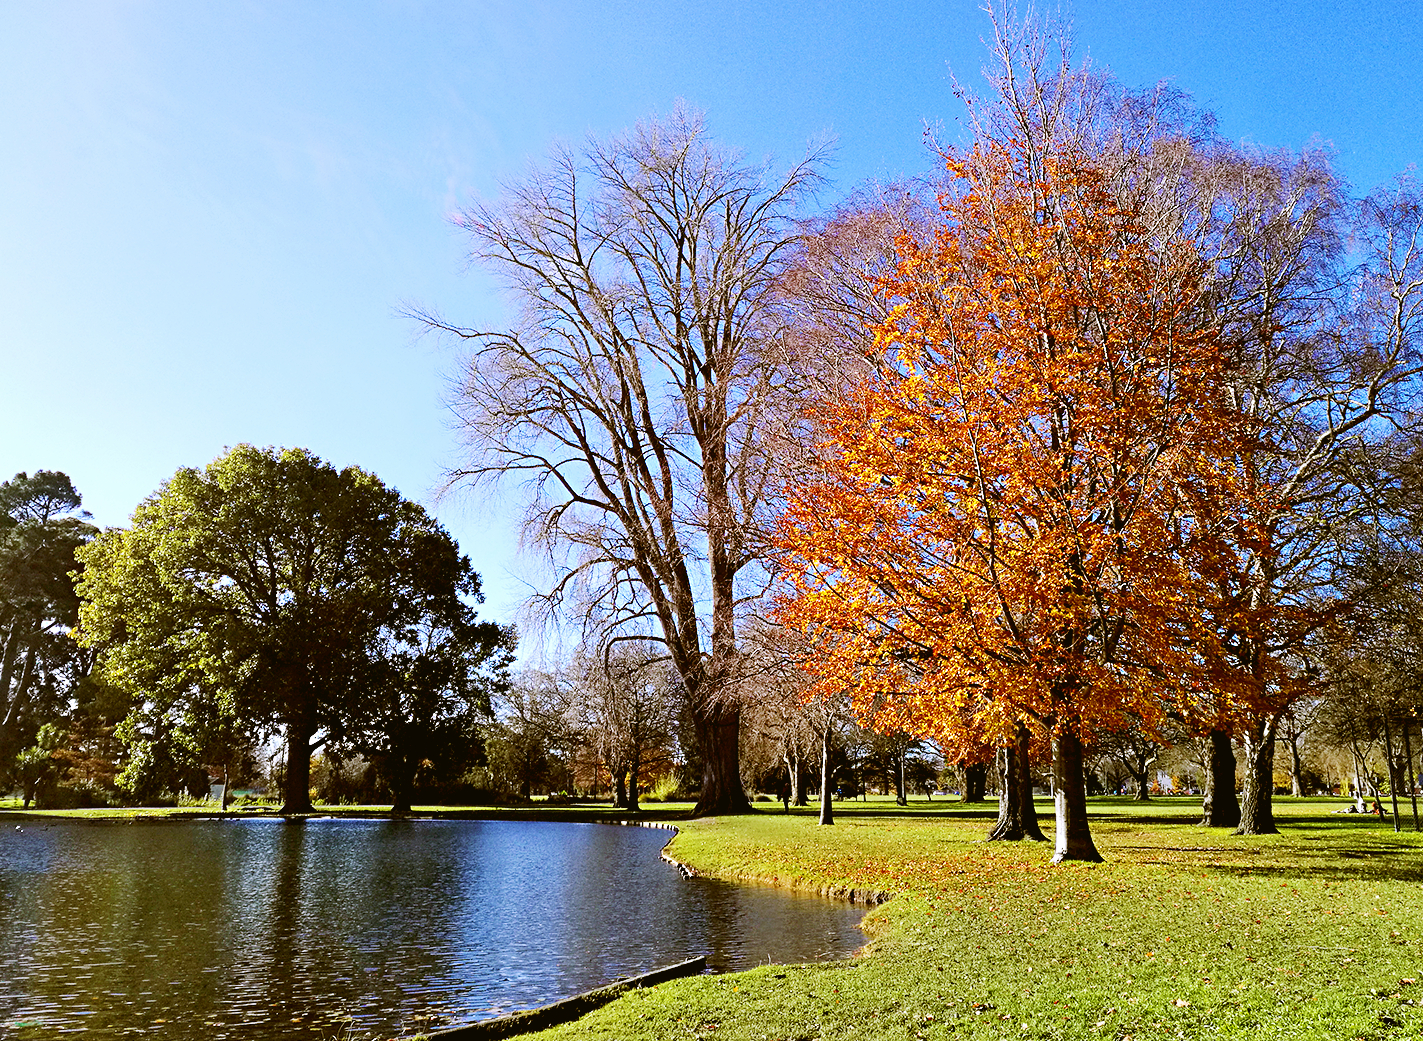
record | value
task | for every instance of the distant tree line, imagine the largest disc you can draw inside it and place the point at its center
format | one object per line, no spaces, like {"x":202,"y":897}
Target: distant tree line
{"x":421,"y":703}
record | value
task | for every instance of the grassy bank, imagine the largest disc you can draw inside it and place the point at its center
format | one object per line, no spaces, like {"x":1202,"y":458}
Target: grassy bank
{"x":1185,"y":932}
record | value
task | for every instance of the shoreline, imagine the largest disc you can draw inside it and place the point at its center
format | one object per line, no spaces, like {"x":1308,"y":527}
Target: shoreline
{"x":560,"y":814}
{"x":1167,"y":938}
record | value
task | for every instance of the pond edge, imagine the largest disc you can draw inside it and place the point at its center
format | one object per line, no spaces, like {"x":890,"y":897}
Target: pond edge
{"x":568,"y":1009}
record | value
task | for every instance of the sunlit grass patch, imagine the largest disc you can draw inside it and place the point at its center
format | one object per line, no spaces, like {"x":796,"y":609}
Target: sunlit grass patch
{"x":1184,"y":932}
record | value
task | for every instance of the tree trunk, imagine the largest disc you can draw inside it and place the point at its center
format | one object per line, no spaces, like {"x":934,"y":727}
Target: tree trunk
{"x":402,"y":784}
{"x":719,"y":731}
{"x":620,"y":789}
{"x":1017,"y":816}
{"x":975,"y":782}
{"x":1394,"y":770}
{"x":901,"y":798}
{"x":633,"y":770}
{"x":1009,"y":826}
{"x":1143,"y":784}
{"x":1257,"y":810}
{"x":1074,"y":835}
{"x":1220,"y":808}
{"x":793,"y":774}
{"x":827,"y":810}
{"x":1025,"y":785}
{"x":296,"y":789}
{"x":17,"y":695}
{"x":1412,"y":782}
{"x":1296,"y":767}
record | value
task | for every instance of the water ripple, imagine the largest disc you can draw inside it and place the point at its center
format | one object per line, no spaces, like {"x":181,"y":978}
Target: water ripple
{"x":259,"y":929}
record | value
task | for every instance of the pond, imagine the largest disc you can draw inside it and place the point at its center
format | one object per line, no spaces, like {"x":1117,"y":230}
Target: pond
{"x":357,"y":928}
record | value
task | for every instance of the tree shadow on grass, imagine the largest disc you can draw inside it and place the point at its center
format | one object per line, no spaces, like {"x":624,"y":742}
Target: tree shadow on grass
{"x":948,"y":812}
{"x":1377,"y":857}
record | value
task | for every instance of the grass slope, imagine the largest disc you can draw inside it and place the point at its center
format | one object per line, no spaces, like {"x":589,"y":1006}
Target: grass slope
{"x":1183,"y":933}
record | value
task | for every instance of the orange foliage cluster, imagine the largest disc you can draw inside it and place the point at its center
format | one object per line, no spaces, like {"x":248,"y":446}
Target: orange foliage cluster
{"x":1031,"y":510}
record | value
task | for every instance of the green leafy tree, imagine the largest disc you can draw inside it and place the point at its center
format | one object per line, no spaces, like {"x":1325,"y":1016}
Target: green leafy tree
{"x":40,"y":667}
{"x":432,"y":681}
{"x":531,"y":734}
{"x":267,"y":590}
{"x":36,"y":766}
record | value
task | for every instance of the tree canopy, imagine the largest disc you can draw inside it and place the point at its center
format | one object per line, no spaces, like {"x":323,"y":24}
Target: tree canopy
{"x":1019,"y":513}
{"x":271,"y":589}
{"x":41,"y":526}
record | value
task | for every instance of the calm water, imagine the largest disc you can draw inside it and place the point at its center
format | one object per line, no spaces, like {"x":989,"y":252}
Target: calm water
{"x":261,"y":929}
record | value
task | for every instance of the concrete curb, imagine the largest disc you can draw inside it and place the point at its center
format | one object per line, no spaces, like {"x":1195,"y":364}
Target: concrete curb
{"x":568,"y":1009}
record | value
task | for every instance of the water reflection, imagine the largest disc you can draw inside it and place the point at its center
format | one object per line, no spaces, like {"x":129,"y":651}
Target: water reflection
{"x":264,"y":929}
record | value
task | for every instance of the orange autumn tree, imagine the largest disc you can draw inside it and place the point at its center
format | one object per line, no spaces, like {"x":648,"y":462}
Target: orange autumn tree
{"x":1017,"y":518}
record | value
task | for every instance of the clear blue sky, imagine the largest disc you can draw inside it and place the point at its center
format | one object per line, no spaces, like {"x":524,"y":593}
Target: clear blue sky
{"x":211,"y":213}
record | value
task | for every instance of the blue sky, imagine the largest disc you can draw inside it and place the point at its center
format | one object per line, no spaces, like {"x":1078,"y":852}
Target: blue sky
{"x":212,"y":213}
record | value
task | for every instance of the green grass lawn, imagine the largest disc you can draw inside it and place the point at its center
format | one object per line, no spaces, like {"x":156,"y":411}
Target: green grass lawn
{"x":1183,"y":933}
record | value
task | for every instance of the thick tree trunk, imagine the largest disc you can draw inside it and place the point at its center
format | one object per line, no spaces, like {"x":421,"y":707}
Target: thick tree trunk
{"x":1143,"y":784}
{"x":402,"y":786}
{"x":1220,"y":808}
{"x":1017,"y":815}
{"x":1025,"y":785}
{"x":296,"y":791}
{"x":620,"y":788}
{"x":1074,"y":835}
{"x":975,"y":782}
{"x":719,"y":731}
{"x":1257,"y":809}
{"x":827,"y":809}
{"x":1009,"y":825}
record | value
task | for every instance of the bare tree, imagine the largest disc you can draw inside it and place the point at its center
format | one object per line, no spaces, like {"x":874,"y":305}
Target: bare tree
{"x":1136,"y":750}
{"x":627,"y":702}
{"x":627,"y":397}
{"x":1329,"y":368}
{"x":773,"y":687}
